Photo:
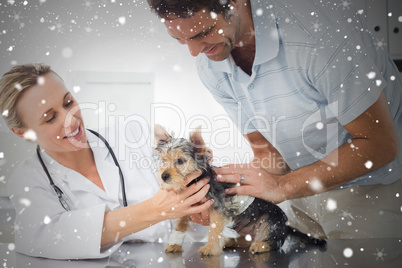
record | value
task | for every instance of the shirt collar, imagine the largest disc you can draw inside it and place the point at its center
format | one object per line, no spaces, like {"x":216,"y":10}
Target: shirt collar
{"x":98,"y":148}
{"x":266,"y":31}
{"x":266,"y":37}
{"x":64,"y":176}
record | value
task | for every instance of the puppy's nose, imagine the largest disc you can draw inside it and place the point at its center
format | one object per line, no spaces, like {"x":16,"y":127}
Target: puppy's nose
{"x":165,"y":176}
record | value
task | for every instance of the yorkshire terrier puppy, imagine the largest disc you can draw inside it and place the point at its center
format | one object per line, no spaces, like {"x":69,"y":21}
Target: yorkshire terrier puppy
{"x":262,"y":221}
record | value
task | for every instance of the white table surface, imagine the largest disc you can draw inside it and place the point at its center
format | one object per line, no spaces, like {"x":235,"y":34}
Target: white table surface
{"x":383,"y":253}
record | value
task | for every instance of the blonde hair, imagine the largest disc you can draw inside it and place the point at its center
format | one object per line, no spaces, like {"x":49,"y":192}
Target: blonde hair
{"x":13,"y":84}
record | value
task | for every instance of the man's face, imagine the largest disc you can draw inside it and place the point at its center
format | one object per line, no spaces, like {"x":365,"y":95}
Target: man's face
{"x":206,"y":32}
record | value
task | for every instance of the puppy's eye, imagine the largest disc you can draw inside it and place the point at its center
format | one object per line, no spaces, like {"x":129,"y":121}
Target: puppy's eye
{"x":180,"y":161}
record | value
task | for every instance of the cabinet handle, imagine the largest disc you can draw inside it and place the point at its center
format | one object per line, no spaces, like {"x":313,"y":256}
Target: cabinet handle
{"x":396,"y":30}
{"x":377,"y":28}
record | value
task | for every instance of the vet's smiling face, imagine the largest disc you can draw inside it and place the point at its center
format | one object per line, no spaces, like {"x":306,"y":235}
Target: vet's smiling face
{"x":49,"y":110}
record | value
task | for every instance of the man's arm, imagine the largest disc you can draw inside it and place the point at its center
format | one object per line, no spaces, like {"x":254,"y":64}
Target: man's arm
{"x":375,"y":144}
{"x":266,"y":156}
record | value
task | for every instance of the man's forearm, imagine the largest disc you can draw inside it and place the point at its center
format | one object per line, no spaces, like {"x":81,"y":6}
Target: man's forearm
{"x":347,"y":163}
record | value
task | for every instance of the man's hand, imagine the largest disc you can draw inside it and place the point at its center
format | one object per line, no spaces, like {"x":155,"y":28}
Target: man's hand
{"x":257,"y":182}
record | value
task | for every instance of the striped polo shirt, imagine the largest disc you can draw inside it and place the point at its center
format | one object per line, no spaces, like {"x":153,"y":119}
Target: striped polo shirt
{"x":316,"y":69}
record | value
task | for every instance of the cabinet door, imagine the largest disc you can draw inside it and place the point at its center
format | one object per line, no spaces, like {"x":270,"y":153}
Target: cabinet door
{"x":108,"y":98}
{"x":395,"y":28}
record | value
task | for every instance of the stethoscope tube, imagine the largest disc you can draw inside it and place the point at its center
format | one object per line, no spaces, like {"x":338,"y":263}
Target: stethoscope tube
{"x":60,"y":193}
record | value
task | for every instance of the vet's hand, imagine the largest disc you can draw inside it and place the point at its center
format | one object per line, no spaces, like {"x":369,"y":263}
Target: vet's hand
{"x":171,"y":205}
{"x":258,"y":182}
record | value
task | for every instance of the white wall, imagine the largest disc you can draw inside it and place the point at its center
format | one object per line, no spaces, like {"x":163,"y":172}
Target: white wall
{"x":71,"y":36}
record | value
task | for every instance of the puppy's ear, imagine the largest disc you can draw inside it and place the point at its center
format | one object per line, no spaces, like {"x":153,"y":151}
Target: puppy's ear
{"x":197,"y":141}
{"x":161,"y":135}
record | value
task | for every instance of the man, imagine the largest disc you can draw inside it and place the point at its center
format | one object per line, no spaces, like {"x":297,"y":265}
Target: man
{"x":319,"y":103}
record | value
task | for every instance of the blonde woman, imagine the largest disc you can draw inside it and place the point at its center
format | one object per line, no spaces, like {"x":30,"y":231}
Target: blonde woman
{"x":73,"y":198}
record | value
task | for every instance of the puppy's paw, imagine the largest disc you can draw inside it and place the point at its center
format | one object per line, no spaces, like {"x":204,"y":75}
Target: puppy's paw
{"x":210,"y":250}
{"x":173,"y":248}
{"x":259,"y":247}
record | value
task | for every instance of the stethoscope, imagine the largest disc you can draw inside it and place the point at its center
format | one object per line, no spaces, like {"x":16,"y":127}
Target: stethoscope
{"x":63,"y":200}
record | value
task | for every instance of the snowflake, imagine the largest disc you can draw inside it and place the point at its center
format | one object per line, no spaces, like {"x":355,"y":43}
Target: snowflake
{"x":273,"y":228}
{"x":17,"y":227}
{"x":380,"y":44}
{"x":345,"y":4}
{"x":17,"y":19}
{"x":152,"y":30}
{"x":58,"y":26}
{"x":58,"y":237}
{"x":88,"y":215}
{"x":379,"y":254}
{"x":87,"y":4}
{"x":346,"y":215}
{"x":316,"y":26}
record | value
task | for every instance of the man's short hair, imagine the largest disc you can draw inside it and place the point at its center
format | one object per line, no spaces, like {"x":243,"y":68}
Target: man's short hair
{"x":168,"y":9}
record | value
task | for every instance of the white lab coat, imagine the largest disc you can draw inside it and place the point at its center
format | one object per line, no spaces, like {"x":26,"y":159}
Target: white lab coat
{"x":44,"y":228}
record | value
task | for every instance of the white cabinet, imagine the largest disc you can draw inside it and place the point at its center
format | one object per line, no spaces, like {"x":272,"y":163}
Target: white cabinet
{"x":376,"y":14}
{"x":384,"y":19}
{"x":394,"y":16}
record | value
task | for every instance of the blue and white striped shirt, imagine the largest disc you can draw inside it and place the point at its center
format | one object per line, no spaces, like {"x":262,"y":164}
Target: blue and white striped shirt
{"x":316,"y":69}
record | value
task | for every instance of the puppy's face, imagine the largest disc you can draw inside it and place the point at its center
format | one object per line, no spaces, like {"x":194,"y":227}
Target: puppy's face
{"x":178,"y":157}
{"x":175,"y":166}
